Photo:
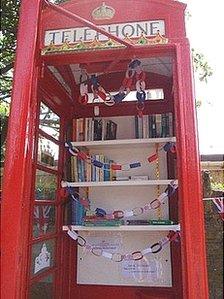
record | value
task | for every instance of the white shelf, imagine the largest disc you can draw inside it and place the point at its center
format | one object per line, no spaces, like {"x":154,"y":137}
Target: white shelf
{"x":122,"y":142}
{"x":175,"y":227}
{"x":117,"y":183}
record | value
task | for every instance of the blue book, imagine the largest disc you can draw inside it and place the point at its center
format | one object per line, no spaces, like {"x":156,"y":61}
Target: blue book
{"x":78,"y":213}
{"x":107,"y":172}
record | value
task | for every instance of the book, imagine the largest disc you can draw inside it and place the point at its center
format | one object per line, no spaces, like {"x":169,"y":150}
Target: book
{"x":111,"y":130}
{"x":149,"y":222}
{"x":80,"y":135}
{"x":97,"y":131}
{"x":139,"y":177}
{"x":136,"y":128}
{"x":78,"y":213}
{"x":158,"y":118}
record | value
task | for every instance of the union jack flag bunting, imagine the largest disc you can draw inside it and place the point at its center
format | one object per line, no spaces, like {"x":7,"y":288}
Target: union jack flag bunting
{"x":41,"y":217}
{"x":218,"y":202}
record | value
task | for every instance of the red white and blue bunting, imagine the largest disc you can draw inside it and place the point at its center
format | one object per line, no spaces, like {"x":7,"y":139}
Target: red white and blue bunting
{"x":168,"y":147}
{"x":218,"y":202}
{"x":134,"y":75}
{"x":137,"y":211}
{"x":118,"y":257}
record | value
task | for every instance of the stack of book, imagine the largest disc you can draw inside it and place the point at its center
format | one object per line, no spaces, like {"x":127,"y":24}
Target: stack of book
{"x":81,"y":171}
{"x":154,"y":126}
{"x":78,"y":213}
{"x":149,"y":222}
{"x":91,"y":129}
{"x":91,"y":219}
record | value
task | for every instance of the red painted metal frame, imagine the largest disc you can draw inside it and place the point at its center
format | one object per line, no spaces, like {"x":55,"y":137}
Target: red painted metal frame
{"x":195,"y":282}
{"x":17,"y":189}
{"x":18,"y":162}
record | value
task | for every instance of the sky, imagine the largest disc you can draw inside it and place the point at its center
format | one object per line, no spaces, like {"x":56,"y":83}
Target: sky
{"x":205,"y":32}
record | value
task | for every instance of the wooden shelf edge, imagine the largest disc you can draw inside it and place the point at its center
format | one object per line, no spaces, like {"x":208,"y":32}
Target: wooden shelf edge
{"x":175,"y":227}
{"x":117,"y":183}
{"x":118,"y":142}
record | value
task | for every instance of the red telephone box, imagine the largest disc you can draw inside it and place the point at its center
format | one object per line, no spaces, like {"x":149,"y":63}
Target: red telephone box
{"x":58,"y":45}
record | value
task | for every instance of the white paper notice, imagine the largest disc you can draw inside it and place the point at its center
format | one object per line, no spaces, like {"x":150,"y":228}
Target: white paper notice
{"x":110,"y":244}
{"x":142,"y":270}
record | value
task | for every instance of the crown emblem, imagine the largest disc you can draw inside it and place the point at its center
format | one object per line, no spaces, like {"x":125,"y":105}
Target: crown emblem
{"x":103,"y":12}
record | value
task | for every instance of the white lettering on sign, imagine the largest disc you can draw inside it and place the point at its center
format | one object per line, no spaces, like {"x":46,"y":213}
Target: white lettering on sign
{"x":135,"y":29}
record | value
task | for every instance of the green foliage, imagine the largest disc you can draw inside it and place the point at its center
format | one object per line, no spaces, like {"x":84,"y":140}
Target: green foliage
{"x":201,"y":66}
{"x":9,"y":26}
{"x":217,"y":186}
{"x":4,"y":115}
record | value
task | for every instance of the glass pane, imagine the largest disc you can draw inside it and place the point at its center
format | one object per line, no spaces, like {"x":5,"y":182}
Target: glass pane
{"x":46,"y":185}
{"x":42,"y":288}
{"x":49,"y":121}
{"x":151,"y":94}
{"x":44,"y":220}
{"x":42,"y":256}
{"x":48,"y":152}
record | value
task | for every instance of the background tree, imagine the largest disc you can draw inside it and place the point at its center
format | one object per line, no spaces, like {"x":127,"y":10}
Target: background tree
{"x":10,"y":16}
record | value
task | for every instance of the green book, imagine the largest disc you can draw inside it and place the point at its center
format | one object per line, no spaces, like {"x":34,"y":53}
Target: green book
{"x":161,"y":222}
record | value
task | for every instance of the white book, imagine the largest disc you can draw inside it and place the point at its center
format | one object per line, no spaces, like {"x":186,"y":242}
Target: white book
{"x":139,"y":177}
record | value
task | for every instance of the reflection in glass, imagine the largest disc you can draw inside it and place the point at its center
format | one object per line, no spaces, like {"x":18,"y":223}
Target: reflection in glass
{"x":48,"y":152}
{"x":44,"y":220}
{"x":49,"y":121}
{"x":42,"y":289}
{"x":46,"y":185}
{"x":42,"y":256}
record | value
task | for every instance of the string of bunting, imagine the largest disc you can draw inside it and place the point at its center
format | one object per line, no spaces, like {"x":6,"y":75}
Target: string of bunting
{"x":134,"y":71}
{"x":218,"y":202}
{"x":119,"y":214}
{"x":168,"y":147}
{"x":118,"y":257}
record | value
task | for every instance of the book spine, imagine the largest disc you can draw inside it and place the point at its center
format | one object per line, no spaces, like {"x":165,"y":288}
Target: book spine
{"x":150,"y":125}
{"x":75,"y":169}
{"x":112,"y":172}
{"x":153,"y":126}
{"x":93,"y":168}
{"x":147,"y":126}
{"x":74,"y":125}
{"x":136,"y":128}
{"x":72,"y":169}
{"x":158,"y":125}
{"x":88,"y":172}
{"x":101,"y":171}
{"x":97,"y":170}
{"x":77,"y":129}
{"x":79,"y":170}
{"x":140,"y":127}
{"x":92,"y":129}
{"x":171,"y":133}
{"x":86,"y":129}
{"x":163,"y":124}
{"x":73,"y":203}
{"x":144,"y":126}
{"x":107,"y":170}
{"x":103,"y":129}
